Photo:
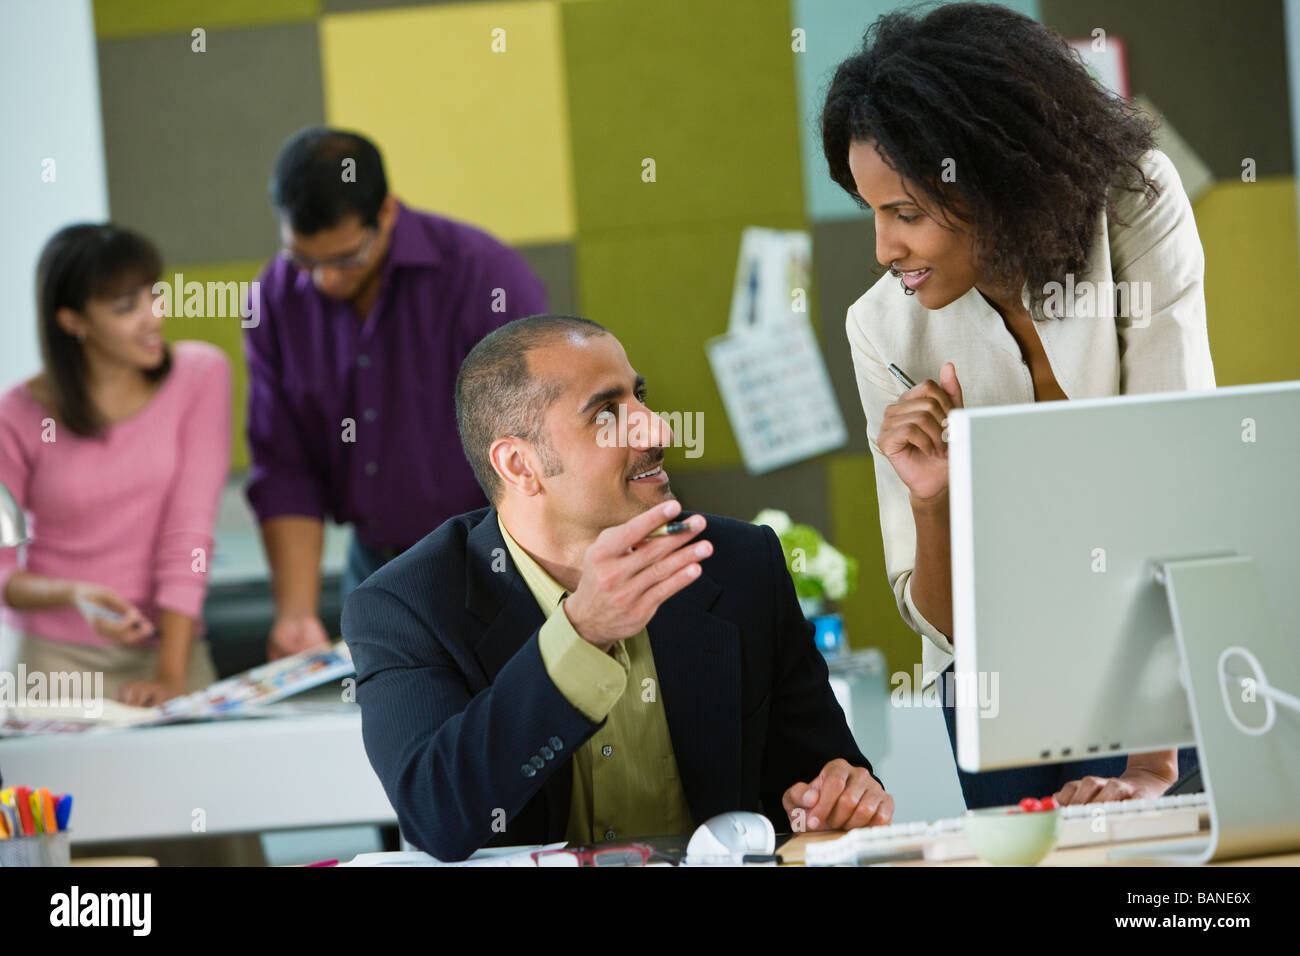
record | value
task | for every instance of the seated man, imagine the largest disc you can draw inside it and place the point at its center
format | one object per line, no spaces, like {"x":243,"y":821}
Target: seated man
{"x":542,"y":670}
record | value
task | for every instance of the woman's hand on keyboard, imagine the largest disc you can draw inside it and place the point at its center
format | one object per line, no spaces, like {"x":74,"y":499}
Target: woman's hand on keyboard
{"x":1135,"y":783}
{"x":842,"y":797}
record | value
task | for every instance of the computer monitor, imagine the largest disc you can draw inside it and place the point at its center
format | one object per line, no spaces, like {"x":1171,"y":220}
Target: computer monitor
{"x":1062,"y":516}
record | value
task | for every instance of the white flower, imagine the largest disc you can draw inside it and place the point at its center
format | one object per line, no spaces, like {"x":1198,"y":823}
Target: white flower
{"x":831,"y":569}
{"x":775,"y":519}
{"x":837,"y":587}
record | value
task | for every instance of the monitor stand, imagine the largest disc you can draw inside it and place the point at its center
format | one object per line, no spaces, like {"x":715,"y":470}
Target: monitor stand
{"x":1247,"y":729}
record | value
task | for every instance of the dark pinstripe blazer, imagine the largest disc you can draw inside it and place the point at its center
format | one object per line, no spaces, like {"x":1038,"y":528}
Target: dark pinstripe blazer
{"x":465,"y":729}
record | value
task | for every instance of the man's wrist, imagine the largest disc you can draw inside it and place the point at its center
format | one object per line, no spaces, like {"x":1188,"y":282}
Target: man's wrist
{"x":576,"y":624}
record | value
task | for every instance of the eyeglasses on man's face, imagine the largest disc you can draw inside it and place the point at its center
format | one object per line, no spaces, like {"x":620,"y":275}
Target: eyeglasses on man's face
{"x":354,"y":260}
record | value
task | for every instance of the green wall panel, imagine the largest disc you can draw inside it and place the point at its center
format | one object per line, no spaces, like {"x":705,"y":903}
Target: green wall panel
{"x":871,"y":617}
{"x":664,"y":294}
{"x":706,"y":90}
{"x":122,"y":18}
{"x":224,"y":331}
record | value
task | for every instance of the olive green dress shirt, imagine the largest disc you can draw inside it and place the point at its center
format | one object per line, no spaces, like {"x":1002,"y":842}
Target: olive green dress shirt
{"x":625,"y":781}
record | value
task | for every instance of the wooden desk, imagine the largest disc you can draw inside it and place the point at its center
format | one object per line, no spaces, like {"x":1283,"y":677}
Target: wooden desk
{"x":1094,"y":855}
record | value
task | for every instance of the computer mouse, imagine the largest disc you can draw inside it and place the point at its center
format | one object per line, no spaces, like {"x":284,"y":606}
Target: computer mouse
{"x":732,"y":835}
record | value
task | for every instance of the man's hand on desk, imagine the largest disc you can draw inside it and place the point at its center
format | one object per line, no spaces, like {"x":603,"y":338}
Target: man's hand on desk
{"x":151,"y":693}
{"x":843,"y":797}
{"x":293,"y":633}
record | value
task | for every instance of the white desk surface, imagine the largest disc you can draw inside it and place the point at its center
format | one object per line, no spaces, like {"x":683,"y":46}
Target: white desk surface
{"x":244,"y":775}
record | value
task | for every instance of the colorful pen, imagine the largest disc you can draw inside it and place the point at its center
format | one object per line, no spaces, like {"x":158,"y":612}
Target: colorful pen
{"x":63,"y":810}
{"x":23,"y":799}
{"x":48,"y":816}
{"x":9,"y":809}
{"x":28,"y":812}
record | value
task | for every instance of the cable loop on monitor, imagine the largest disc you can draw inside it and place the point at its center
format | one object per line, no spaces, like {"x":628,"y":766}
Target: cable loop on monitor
{"x":1272,"y":695}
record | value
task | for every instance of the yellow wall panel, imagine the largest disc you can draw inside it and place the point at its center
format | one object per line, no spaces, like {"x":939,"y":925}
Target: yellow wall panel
{"x":1252,"y":280}
{"x":466,"y":132}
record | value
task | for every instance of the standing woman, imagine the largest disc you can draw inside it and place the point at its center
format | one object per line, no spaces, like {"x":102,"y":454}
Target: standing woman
{"x":996,"y":167}
{"x":117,"y":451}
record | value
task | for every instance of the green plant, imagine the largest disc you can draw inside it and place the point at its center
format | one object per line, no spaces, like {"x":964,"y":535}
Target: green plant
{"x":819,"y":569}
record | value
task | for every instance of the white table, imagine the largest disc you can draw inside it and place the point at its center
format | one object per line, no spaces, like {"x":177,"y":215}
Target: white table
{"x":243,"y":775}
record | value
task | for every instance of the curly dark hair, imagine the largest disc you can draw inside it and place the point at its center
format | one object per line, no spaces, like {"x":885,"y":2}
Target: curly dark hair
{"x":1037,"y":143}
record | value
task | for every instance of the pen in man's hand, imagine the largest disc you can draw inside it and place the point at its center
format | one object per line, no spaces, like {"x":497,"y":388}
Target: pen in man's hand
{"x":672,"y":527}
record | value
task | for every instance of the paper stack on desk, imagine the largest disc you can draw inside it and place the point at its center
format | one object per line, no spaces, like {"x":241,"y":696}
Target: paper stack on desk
{"x":491,"y":856}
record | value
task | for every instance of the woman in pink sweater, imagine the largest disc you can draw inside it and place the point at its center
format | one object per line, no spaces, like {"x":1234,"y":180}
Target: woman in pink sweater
{"x":117,"y":451}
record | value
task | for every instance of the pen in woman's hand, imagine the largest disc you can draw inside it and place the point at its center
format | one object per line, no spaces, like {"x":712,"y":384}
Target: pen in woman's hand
{"x":899,"y":374}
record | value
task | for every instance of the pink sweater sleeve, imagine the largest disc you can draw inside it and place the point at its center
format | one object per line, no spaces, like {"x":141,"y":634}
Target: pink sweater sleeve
{"x":185,"y":541}
{"x":15,"y":470}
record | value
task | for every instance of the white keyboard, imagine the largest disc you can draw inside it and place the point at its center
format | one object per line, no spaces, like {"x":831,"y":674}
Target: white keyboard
{"x":1122,"y":821}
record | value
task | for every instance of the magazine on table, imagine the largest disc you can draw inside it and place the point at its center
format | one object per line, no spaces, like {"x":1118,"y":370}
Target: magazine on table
{"x":242,"y":695}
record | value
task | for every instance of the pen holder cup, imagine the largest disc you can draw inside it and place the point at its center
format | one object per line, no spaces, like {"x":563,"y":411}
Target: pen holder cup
{"x":46,"y":849}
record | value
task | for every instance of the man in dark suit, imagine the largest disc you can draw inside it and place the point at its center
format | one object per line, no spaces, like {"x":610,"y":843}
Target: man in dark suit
{"x":545,"y":669}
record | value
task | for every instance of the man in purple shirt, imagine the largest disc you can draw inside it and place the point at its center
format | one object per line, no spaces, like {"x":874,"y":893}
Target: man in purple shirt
{"x":358,"y":331}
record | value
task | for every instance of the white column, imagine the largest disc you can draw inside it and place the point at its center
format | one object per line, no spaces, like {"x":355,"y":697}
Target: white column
{"x":1291,"y":12}
{"x":50,"y":126}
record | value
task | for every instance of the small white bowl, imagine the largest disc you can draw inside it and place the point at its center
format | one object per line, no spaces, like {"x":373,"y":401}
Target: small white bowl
{"x":1015,"y":838}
